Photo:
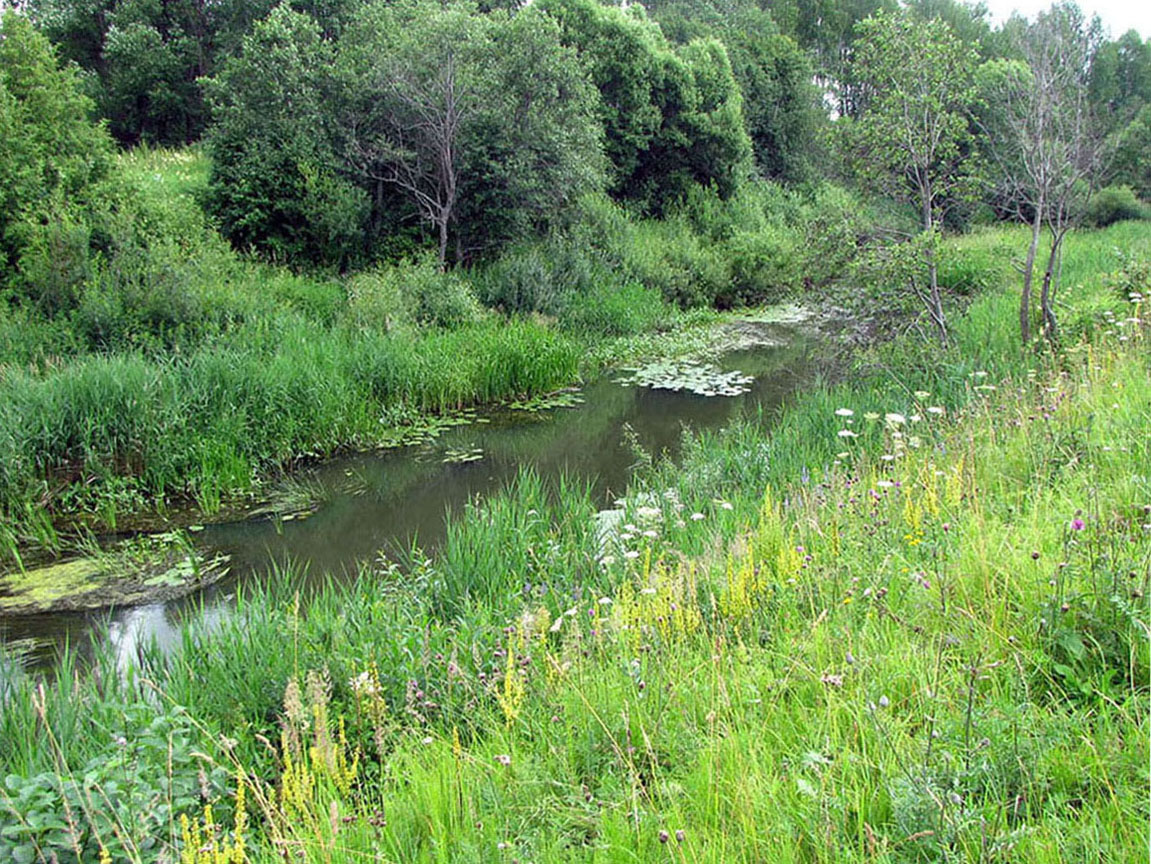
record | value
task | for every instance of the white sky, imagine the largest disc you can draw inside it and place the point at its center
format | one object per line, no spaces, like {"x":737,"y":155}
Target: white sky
{"x":1118,"y":16}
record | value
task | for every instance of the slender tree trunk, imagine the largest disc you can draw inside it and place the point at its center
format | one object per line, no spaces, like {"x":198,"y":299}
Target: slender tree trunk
{"x":936,"y":299}
{"x":1028,"y":271}
{"x":443,"y":226}
{"x":1047,"y":294}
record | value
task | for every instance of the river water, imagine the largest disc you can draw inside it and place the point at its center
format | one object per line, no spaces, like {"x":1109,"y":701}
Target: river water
{"x":392,"y":499}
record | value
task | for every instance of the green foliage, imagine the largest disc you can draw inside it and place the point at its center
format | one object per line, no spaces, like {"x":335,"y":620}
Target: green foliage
{"x":144,"y":60}
{"x":672,"y":118}
{"x":1132,"y":162}
{"x":122,"y":803}
{"x":948,"y":644}
{"x":780,"y":103}
{"x":53,"y":163}
{"x":275,"y":184}
{"x":911,"y":139}
{"x":1114,"y":204}
{"x":480,"y":126}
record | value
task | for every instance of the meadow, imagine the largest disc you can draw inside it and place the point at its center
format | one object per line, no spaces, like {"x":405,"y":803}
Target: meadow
{"x":904,"y":620}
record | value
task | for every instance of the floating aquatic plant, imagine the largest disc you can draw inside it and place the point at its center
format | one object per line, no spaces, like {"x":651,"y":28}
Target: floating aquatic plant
{"x":463,"y":455}
{"x":703,"y":379}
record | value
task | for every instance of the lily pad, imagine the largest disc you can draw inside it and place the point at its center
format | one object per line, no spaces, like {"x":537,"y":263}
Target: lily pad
{"x":463,"y":455}
{"x":701,"y":378}
{"x":568,"y":398}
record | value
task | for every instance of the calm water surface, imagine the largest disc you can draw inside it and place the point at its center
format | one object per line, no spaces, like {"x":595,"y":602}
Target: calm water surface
{"x":390,"y":500}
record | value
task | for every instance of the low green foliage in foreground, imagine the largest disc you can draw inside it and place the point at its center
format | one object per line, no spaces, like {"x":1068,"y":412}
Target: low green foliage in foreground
{"x":908,"y":624}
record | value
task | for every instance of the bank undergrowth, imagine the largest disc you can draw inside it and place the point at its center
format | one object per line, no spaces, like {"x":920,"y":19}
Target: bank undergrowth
{"x":168,"y":370}
{"x":908,"y":623}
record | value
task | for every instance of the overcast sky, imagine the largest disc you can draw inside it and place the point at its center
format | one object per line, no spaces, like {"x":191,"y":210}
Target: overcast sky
{"x":1118,"y":16}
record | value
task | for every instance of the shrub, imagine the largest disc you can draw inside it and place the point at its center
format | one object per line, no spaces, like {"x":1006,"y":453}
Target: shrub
{"x":612,"y":309}
{"x":1114,"y":204}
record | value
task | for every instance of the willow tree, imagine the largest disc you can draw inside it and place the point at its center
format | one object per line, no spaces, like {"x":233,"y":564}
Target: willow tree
{"x":912,"y":137}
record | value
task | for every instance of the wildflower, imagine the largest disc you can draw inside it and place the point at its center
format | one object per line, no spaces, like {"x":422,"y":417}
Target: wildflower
{"x":631,"y":554}
{"x":607,"y":560}
{"x":604,"y":601}
{"x":832,"y":680}
{"x":1078,"y":524}
{"x":846,"y":433}
{"x":871,"y":415}
{"x":679,"y":835}
{"x":504,"y":759}
{"x":935,"y":409}
{"x":844,"y":412}
{"x":695,"y":517}
{"x":884,"y":701}
{"x":428,"y":739}
{"x":894,"y":419}
{"x":663,"y":836}
{"x":650,"y":534}
{"x":850,"y":658}
{"x":921,"y":394}
{"x":649,"y":512}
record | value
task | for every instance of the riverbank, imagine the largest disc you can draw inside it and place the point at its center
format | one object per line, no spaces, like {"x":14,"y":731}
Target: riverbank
{"x":928,"y":584}
{"x":175,"y":373}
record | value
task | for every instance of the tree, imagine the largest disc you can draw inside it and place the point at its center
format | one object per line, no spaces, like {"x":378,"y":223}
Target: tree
{"x":276,"y":182}
{"x":1044,"y":139}
{"x":781,"y":104}
{"x":421,"y":116}
{"x":417,"y":86}
{"x":911,"y":141}
{"x":53,"y":162}
{"x":484,"y":124}
{"x":145,"y":58}
{"x":672,"y":118}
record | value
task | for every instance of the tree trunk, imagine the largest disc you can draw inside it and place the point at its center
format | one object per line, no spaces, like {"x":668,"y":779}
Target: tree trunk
{"x":1028,"y":271}
{"x":935,"y":299}
{"x":1047,"y":295}
{"x":443,"y":226}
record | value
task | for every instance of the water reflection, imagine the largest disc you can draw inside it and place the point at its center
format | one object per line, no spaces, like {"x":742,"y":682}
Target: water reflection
{"x":393,"y":499}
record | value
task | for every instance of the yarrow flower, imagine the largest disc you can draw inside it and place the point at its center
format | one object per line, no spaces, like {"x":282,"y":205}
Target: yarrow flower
{"x":846,"y":433}
{"x":844,"y":412}
{"x":895,"y":419}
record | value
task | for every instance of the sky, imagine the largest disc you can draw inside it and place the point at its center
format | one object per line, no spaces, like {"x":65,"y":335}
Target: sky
{"x":1118,"y":16}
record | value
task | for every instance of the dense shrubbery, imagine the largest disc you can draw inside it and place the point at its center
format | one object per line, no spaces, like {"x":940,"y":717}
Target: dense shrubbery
{"x":1114,"y":204}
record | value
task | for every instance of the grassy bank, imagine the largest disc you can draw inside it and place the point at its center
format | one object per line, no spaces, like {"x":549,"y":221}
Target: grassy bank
{"x":169,"y":370}
{"x":917,"y":631}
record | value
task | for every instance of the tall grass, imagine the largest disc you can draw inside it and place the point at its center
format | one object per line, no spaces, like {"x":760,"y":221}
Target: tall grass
{"x":202,"y":426}
{"x":926,"y":641}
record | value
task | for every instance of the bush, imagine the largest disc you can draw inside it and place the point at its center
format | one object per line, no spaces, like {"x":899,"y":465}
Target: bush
{"x":615,"y":310}
{"x":1114,"y":204}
